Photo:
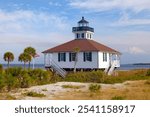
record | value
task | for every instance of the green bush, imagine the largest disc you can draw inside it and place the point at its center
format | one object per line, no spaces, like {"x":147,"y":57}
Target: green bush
{"x":40,"y":77}
{"x":25,"y":81}
{"x":11,"y":82}
{"x":94,"y":76}
{"x":1,"y":68}
{"x":2,"y":83}
{"x":148,"y":72}
{"x":94,"y":87}
{"x":126,"y":76}
{"x":15,"y":71}
{"x":34,"y":94}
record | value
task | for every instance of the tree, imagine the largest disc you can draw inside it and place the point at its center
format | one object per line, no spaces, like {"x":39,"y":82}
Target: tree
{"x":76,"y":50}
{"x":31,"y":51}
{"x":9,"y":57}
{"x":24,"y":57}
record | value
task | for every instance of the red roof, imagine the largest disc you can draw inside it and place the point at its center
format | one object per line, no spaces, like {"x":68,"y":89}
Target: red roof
{"x":83,"y":45}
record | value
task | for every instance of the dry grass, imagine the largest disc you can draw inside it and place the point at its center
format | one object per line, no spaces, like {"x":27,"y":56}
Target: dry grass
{"x":72,"y":86}
{"x":135,"y":90}
{"x":6,"y":96}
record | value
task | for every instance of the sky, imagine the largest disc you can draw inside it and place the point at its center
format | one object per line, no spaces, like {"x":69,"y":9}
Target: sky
{"x":120,"y":24}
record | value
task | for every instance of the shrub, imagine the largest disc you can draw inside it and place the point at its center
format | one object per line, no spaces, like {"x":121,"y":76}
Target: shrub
{"x":11,"y":82}
{"x":40,"y":76}
{"x":1,"y":68}
{"x":94,"y":76}
{"x":147,"y":82}
{"x":2,"y":83}
{"x":148,"y":72}
{"x":118,"y":98}
{"x":15,"y":71}
{"x":25,"y":81}
{"x":34,"y":94}
{"x":94,"y":87}
{"x":72,"y":86}
{"x":126,"y":75}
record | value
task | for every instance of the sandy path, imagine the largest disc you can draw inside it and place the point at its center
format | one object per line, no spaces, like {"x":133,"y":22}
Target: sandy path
{"x":53,"y":90}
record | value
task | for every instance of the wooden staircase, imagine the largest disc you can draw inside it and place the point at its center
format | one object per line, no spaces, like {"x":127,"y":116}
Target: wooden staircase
{"x":111,"y":68}
{"x":55,"y":67}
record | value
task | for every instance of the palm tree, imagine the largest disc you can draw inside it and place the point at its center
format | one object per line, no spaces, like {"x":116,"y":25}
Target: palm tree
{"x":76,"y":50}
{"x":31,"y":51}
{"x":24,"y":57}
{"x":9,"y":57}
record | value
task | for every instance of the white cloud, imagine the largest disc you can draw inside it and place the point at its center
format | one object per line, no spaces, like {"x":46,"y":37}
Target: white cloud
{"x":24,"y":20}
{"x":136,"y":50}
{"x":104,"y":5}
{"x":128,"y":42}
{"x":125,"y":20}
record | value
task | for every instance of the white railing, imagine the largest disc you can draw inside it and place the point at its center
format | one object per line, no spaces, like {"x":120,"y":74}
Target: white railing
{"x":111,"y":68}
{"x":57,"y":68}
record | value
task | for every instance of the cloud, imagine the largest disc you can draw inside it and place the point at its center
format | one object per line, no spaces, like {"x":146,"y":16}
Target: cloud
{"x":104,"y":5}
{"x":136,"y":50}
{"x":25,"y":20}
{"x":126,"y":20}
{"x":128,"y":42}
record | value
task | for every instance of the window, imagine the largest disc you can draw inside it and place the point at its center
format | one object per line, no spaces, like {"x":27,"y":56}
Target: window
{"x":72,"y":57}
{"x":87,"y":35}
{"x":82,"y":35}
{"x":90,"y":36}
{"x":104,"y":57}
{"x":61,"y":56}
{"x":87,"y":56}
{"x":77,"y":35}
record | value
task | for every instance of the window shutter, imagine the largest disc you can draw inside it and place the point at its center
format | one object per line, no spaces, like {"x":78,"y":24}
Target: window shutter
{"x":90,"y":56}
{"x":64,"y":56}
{"x":58,"y":56}
{"x":70,"y":57}
{"x":84,"y":56}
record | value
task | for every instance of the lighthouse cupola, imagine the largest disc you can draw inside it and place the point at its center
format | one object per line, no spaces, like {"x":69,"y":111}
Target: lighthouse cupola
{"x":83,"y":31}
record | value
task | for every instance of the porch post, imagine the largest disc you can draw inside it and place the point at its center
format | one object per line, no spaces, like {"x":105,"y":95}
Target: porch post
{"x":49,"y":59}
{"x":45,"y":59}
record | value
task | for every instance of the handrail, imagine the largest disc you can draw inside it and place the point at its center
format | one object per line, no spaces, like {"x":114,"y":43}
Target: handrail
{"x":57,"y":65}
{"x":58,"y":69}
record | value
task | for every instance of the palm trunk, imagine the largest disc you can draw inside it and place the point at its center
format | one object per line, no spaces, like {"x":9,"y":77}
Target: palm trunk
{"x":24,"y":65}
{"x":29,"y":65}
{"x":75,"y":62}
{"x":8,"y":64}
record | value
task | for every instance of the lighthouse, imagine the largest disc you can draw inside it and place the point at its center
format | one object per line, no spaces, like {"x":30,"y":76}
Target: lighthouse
{"x":83,"y":30}
{"x":92,"y":55}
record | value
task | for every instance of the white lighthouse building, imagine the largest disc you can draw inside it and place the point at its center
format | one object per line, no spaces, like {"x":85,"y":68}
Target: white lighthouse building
{"x":91,"y":55}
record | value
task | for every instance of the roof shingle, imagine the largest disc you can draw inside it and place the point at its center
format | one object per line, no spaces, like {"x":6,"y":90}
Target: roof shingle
{"x":83,"y":44}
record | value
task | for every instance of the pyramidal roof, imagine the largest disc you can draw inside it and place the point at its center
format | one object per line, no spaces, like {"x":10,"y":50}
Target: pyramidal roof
{"x":83,"y":20}
{"x":83,"y":44}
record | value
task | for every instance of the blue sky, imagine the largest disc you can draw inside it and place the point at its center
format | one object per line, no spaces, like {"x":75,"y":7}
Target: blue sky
{"x":121,"y":24}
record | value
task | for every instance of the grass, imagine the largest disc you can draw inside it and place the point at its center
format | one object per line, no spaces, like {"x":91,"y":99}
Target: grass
{"x":100,"y":77}
{"x":7,"y":97}
{"x":72,"y":86}
{"x":118,"y":98}
{"x":44,"y":90}
{"x":135,"y":90}
{"x":94,"y":87}
{"x":34,"y":94}
{"x":147,"y":82}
